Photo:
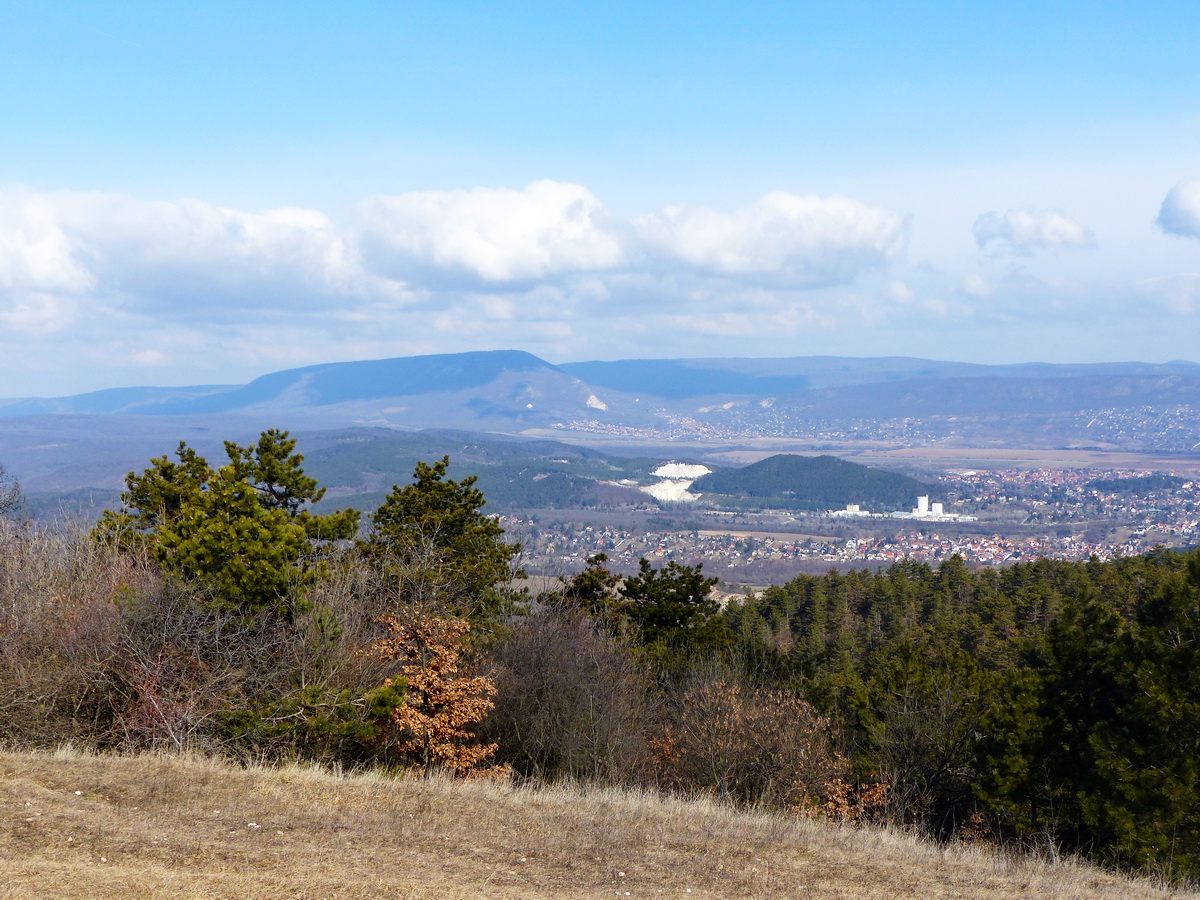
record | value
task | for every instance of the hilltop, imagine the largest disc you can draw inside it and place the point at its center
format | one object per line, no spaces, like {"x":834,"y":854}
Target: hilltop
{"x":635,"y":408}
{"x":152,"y":826}
{"x":822,"y":482}
{"x":515,"y":392}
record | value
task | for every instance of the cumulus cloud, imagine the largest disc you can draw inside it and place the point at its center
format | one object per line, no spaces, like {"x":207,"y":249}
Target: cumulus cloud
{"x":1180,"y":210}
{"x":63,"y":252}
{"x":155,"y":249}
{"x":419,"y":271}
{"x":35,"y":252}
{"x":802,"y":240}
{"x":492,"y":234}
{"x":1024,"y":230}
{"x":187,"y":256}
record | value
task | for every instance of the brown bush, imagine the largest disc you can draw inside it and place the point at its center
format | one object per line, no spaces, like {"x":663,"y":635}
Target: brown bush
{"x":572,"y":699}
{"x":59,"y":635}
{"x":750,"y":745}
{"x":430,"y":728}
{"x":98,"y":648}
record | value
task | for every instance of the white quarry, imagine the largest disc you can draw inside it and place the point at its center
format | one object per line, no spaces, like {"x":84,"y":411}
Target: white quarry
{"x":680,"y":470}
{"x":676,"y":480}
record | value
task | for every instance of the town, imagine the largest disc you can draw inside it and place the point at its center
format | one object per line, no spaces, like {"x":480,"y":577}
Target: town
{"x":992,"y":518}
{"x":1173,"y":429}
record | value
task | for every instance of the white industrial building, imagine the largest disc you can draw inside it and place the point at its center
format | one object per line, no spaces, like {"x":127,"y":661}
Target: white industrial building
{"x":934,"y":512}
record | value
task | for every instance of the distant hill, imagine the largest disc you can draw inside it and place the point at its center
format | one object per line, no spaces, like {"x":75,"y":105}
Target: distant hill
{"x":513,"y":391}
{"x":310,"y":386}
{"x":680,"y":378}
{"x":818,"y":402}
{"x":992,"y":394}
{"x":359,"y":466}
{"x":822,"y":482}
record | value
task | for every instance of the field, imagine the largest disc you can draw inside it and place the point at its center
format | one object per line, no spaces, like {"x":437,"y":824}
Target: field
{"x":959,"y":458}
{"x":77,"y":826}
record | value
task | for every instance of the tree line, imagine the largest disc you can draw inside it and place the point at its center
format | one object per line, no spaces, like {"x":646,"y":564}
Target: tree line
{"x":1050,"y":704}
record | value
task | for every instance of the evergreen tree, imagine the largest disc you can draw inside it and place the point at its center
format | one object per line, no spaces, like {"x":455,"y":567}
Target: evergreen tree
{"x":273,"y":468}
{"x":248,"y":556}
{"x":1148,"y":754}
{"x":243,"y":531}
{"x":673,"y":608}
{"x":595,"y":590}
{"x":435,"y":533}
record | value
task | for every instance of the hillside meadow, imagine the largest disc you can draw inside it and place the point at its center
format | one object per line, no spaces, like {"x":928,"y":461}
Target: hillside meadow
{"x":77,"y":825}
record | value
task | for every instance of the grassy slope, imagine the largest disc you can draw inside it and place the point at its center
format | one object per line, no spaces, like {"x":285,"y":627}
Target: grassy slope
{"x":95,"y":827}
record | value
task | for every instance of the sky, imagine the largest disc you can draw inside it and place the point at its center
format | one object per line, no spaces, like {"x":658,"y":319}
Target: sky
{"x":204,"y":193}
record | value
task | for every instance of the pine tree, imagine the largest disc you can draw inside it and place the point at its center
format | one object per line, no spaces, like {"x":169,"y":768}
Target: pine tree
{"x":243,"y":531}
{"x":673,"y":607}
{"x":435,"y":533}
{"x":1148,"y":753}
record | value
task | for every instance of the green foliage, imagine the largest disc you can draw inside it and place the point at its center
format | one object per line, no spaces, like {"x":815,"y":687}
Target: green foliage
{"x":1059,"y":699}
{"x":435,"y":531}
{"x":822,"y":482}
{"x":273,"y":468}
{"x":248,"y":555}
{"x":242,"y":531}
{"x":1140,"y":484}
{"x":595,"y":591}
{"x":156,"y":498}
{"x":673,"y":608}
{"x":1150,"y":752}
{"x":320,"y":723}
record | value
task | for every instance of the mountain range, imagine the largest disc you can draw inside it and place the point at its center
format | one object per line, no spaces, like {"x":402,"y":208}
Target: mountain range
{"x":512,"y":390}
{"x":92,"y":439}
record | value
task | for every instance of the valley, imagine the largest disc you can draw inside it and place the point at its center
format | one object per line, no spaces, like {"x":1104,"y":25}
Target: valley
{"x":567,"y":454}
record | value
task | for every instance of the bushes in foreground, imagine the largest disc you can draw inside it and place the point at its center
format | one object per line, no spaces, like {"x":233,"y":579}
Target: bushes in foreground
{"x":1048,"y":702}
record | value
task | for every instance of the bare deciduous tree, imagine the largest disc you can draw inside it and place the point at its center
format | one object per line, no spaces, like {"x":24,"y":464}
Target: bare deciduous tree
{"x":573,"y":700}
{"x":10,"y":493}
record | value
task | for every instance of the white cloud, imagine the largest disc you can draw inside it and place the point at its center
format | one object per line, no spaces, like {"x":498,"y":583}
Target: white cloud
{"x":901,"y":293}
{"x":152,"y":250}
{"x":801,"y":240}
{"x":200,"y":292}
{"x":743,"y":324}
{"x":1177,"y":293}
{"x":36,"y":313}
{"x":35,"y":253}
{"x":492,"y":234}
{"x":110,"y":252}
{"x":1025,"y":230}
{"x":1180,"y":210}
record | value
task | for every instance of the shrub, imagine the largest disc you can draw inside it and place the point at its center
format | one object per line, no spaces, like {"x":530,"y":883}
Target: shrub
{"x":572,"y":699}
{"x":430,"y":729}
{"x":753,"y":746}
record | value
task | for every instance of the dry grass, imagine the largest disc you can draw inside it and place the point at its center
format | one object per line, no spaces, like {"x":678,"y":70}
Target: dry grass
{"x":152,"y":826}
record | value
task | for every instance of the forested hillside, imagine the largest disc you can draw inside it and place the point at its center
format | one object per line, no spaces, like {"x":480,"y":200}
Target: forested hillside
{"x":1047,"y":701}
{"x":1049,"y":705}
{"x":822,"y":482}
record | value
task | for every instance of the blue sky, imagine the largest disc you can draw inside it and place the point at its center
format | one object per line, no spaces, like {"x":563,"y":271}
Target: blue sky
{"x":207,"y":193}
